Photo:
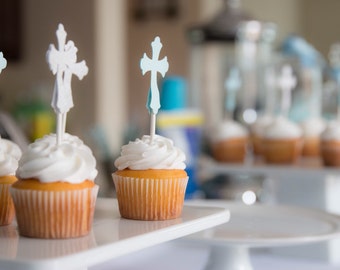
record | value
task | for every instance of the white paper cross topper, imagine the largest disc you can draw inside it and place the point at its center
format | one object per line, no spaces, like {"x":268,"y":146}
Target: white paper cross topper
{"x":287,"y":83}
{"x":63,"y":63}
{"x":3,"y":62}
{"x":154,"y":65}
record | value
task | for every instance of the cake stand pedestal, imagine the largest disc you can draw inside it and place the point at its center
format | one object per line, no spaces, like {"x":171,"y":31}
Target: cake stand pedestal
{"x":261,"y":226}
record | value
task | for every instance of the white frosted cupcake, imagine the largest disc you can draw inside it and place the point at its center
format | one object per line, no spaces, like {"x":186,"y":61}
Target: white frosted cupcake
{"x":229,"y":142}
{"x":330,"y":144}
{"x":312,"y":129}
{"x":55,"y":194}
{"x":257,"y":130}
{"x":150,"y":181}
{"x":9,"y":156}
{"x":282,"y":141}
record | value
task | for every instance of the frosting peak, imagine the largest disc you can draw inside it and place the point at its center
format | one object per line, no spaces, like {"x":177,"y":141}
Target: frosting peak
{"x":144,"y":154}
{"x":228,"y":129}
{"x":71,"y":161}
{"x":282,"y":128}
{"x":332,"y":131}
{"x":10,"y":153}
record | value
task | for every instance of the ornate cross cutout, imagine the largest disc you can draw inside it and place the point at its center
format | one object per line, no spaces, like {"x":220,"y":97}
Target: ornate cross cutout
{"x":63,"y":63}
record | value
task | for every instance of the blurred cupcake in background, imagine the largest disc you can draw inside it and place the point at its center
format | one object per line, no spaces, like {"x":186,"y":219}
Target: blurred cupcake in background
{"x":229,"y":142}
{"x":282,"y":141}
{"x":312,"y":129}
{"x":330,"y":144}
{"x":257,"y":132}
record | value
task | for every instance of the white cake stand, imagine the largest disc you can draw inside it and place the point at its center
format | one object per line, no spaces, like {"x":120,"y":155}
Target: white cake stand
{"x":261,"y":226}
{"x":111,"y":237}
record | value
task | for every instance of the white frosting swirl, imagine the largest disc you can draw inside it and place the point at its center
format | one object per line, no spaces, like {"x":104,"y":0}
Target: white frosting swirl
{"x":144,"y":154}
{"x":282,"y":128}
{"x":313,"y":127}
{"x":10,"y":153}
{"x":332,"y":131}
{"x":71,"y":161}
{"x":228,"y":129}
{"x":260,"y":124}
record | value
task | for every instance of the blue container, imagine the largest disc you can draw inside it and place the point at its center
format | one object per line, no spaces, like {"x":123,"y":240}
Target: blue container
{"x":182,"y":125}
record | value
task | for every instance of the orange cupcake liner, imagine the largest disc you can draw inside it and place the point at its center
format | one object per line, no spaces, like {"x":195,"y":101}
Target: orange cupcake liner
{"x":150,"y":199}
{"x":231,"y":150}
{"x":54,"y":214}
{"x":282,"y":151}
{"x":7,"y":211}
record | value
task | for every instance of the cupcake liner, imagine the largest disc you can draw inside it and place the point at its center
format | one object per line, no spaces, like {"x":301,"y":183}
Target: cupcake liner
{"x":7,"y":211}
{"x":54,"y":214}
{"x":257,"y":145}
{"x":233,"y":150}
{"x":282,"y":151}
{"x":311,"y":147}
{"x":330,"y":153}
{"x":150,"y":199}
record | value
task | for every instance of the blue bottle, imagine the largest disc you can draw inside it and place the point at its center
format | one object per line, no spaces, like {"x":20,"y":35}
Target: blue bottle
{"x":181,"y":124}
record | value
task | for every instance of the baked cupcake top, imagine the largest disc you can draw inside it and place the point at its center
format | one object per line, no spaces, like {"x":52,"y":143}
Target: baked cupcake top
{"x":228,"y":129}
{"x":313,"y":127}
{"x":10,"y":153}
{"x":332,"y":131}
{"x":71,"y":161}
{"x":282,"y":128}
{"x":145,"y":154}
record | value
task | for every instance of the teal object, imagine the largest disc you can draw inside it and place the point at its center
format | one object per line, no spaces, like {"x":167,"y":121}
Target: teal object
{"x":232,"y":85}
{"x":148,"y":101}
{"x":173,"y":93}
{"x":3,"y":62}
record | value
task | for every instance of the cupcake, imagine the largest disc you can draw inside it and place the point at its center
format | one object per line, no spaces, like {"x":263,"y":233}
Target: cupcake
{"x":150,"y":181}
{"x":312,"y":128}
{"x":257,"y":130}
{"x":282,"y":141}
{"x":55,"y":194}
{"x":229,"y":142}
{"x":330,"y":144}
{"x":9,"y":156}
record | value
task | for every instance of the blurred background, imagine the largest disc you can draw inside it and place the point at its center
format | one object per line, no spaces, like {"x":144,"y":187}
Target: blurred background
{"x":112,"y":37}
{"x":203,"y":40}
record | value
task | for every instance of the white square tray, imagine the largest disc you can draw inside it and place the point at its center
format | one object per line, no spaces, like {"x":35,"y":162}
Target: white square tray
{"x":111,"y":236}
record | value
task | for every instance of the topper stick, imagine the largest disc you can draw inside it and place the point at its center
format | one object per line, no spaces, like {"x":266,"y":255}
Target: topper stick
{"x":152,"y":126}
{"x":287,"y":82}
{"x":154,"y":65}
{"x":63,"y":64}
{"x":59,"y":128}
